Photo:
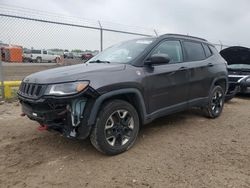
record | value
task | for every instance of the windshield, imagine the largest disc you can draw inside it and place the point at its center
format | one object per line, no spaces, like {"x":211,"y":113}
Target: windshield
{"x":123,"y":52}
{"x":239,"y":66}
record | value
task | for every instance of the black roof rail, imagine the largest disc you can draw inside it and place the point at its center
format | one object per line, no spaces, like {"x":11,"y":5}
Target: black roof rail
{"x":188,"y":36}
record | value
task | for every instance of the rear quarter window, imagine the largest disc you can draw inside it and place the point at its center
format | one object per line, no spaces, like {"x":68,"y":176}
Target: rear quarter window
{"x":207,"y":50}
{"x":194,"y":51}
{"x":214,"y":50}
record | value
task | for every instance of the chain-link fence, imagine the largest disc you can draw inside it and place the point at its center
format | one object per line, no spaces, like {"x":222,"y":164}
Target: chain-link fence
{"x":32,"y":40}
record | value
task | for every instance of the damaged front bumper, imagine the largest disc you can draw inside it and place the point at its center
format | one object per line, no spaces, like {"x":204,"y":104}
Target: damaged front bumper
{"x":233,"y":89}
{"x":245,"y":85}
{"x":67,"y":115}
{"x":238,"y":84}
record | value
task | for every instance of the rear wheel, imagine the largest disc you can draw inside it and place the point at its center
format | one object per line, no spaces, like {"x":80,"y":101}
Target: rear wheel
{"x":116,"y":128}
{"x":216,"y":102}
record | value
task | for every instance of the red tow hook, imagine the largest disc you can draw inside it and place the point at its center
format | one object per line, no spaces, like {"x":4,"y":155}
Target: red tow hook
{"x":42,"y":128}
{"x":22,"y":114}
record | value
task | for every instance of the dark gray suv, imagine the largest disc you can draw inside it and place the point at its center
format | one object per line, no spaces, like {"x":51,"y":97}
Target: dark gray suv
{"x":125,"y":86}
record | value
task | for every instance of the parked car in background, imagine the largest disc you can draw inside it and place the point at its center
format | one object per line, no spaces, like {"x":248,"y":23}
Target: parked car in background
{"x":238,"y":59}
{"x":68,"y":55}
{"x":77,"y":55}
{"x":87,"y":56}
{"x":40,"y":56}
{"x":108,"y":98}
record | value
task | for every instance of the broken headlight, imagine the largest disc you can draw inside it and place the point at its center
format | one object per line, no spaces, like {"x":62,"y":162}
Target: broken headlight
{"x":68,"y":88}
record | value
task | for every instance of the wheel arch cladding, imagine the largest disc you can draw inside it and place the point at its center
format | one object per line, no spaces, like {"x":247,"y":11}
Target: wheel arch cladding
{"x":131,"y":95}
{"x":222,"y":82}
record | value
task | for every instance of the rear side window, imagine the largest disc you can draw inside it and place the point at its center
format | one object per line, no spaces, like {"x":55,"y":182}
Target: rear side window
{"x":195,"y":51}
{"x":207,"y":50}
{"x":172,"y":49}
{"x":44,"y":52}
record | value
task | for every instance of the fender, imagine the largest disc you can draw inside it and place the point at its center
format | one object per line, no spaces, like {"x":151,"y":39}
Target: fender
{"x":220,"y":78}
{"x":102,"y":98}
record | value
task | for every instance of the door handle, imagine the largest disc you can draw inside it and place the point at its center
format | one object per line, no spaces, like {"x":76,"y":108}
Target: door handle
{"x":182,"y":68}
{"x":210,"y":64}
{"x":175,"y":71}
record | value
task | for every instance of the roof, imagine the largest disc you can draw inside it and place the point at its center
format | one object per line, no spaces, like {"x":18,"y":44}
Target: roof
{"x":184,"y":37}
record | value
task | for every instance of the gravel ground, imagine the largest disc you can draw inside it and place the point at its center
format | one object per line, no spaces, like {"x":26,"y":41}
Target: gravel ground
{"x":181,"y":150}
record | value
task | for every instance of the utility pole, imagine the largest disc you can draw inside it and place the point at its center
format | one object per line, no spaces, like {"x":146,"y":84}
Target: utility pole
{"x":101,"y":36}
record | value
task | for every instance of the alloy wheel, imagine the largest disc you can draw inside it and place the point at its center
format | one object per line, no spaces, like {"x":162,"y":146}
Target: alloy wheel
{"x":119,"y":128}
{"x":217,"y":102}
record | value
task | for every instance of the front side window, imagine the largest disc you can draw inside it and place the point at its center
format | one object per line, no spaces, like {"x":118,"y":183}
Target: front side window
{"x":172,"y":49}
{"x":194,"y":50}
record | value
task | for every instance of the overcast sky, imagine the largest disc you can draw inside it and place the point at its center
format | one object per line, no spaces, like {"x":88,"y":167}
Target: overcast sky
{"x":225,"y":20}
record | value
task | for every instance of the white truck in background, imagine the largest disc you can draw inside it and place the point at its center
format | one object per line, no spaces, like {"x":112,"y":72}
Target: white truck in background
{"x":40,"y":56}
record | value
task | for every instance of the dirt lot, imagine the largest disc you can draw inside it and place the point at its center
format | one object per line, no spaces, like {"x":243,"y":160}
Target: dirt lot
{"x":182,"y":150}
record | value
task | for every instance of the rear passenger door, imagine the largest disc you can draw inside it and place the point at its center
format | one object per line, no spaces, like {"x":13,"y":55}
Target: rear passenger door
{"x":199,"y":64}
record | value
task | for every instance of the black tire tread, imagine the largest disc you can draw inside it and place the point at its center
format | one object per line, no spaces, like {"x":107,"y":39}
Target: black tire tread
{"x":206,"y":110}
{"x":94,"y":137}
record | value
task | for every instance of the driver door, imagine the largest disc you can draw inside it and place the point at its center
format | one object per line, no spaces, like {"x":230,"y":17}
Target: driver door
{"x":167,"y":84}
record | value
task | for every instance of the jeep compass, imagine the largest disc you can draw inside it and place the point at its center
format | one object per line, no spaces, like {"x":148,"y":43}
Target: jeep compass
{"x":127,"y":85}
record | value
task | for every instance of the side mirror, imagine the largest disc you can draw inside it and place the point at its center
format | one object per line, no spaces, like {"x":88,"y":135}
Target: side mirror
{"x":158,"y":59}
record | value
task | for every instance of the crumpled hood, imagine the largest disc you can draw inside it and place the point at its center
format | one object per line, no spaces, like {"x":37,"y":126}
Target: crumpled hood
{"x":73,"y":73}
{"x":236,"y":55}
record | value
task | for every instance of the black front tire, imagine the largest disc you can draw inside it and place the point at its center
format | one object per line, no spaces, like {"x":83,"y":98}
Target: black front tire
{"x":115,"y":132}
{"x":216,"y":102}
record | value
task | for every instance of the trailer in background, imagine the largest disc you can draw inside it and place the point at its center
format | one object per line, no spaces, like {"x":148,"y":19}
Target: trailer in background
{"x":12,"y":54}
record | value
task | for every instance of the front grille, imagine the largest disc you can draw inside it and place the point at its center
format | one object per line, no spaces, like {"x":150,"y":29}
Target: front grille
{"x":31,"y":90}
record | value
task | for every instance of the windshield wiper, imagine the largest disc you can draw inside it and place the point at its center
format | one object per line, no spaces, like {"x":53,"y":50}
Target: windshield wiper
{"x":99,"y":61}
